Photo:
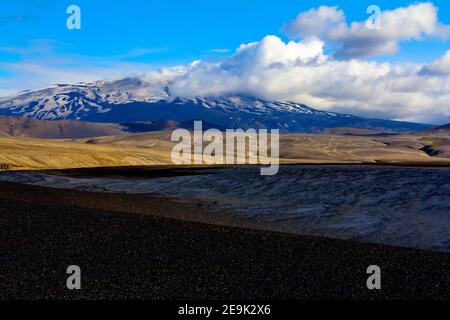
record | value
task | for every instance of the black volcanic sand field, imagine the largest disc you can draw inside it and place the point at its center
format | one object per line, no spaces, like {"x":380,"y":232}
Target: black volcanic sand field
{"x":125,"y":252}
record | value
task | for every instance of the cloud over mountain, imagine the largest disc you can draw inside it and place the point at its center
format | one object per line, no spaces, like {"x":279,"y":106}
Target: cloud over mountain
{"x":302,"y":72}
{"x":246,"y":71}
{"x":357,"y":40}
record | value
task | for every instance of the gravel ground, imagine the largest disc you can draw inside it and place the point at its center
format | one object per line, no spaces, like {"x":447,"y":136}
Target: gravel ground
{"x":398,"y":206}
{"x":126,"y":251}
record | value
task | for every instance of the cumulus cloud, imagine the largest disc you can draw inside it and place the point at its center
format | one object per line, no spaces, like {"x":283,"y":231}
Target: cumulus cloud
{"x":244,"y":72}
{"x":439,"y":67}
{"x":341,"y":81}
{"x":357,"y":40}
{"x":300,"y":71}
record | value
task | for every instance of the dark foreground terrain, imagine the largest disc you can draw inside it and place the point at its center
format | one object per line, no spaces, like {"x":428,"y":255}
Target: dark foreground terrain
{"x":126,"y":251}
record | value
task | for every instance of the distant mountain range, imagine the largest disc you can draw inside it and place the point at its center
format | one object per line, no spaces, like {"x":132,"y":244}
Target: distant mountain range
{"x":15,"y":126}
{"x":133,"y":100}
{"x":440,"y":131}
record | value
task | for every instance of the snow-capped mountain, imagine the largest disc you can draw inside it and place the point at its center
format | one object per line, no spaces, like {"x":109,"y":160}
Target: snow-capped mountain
{"x":76,"y":102}
{"x":137,"y":100}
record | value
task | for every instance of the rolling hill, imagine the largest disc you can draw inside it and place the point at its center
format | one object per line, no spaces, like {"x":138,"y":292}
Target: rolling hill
{"x":154,"y":148}
{"x":440,"y":131}
{"x":15,"y":126}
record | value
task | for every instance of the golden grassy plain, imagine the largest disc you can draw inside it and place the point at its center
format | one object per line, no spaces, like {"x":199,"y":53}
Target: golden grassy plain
{"x":26,"y":153}
{"x":154,"y":149}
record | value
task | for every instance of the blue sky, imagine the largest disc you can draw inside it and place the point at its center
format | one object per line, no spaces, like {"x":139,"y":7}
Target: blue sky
{"x":174,"y":31}
{"x":137,"y":36}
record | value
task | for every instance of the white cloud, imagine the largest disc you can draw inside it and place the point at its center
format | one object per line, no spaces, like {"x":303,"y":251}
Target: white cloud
{"x":439,"y":67}
{"x":300,"y":71}
{"x":356,"y":40}
{"x":218,"y":50}
{"x":274,"y":70}
{"x":140,"y":52}
{"x":242,"y":73}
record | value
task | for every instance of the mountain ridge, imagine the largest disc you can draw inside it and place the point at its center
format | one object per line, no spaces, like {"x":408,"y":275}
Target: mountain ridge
{"x":16,"y":126}
{"x":136,"y":100}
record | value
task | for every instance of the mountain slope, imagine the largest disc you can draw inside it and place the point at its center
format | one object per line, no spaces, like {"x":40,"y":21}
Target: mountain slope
{"x":15,"y":126}
{"x":136,"y":100}
{"x":440,"y":132}
{"x":77,"y":102}
{"x":65,"y":129}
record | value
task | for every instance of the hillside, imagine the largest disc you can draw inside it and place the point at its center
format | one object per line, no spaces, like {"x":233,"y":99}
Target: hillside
{"x":440,"y":132}
{"x":14,"y":126}
{"x":133,"y":100}
{"x":65,"y":129}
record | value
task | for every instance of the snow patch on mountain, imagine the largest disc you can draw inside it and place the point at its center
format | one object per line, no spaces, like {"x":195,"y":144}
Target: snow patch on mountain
{"x":64,"y":101}
{"x":143,"y":99}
